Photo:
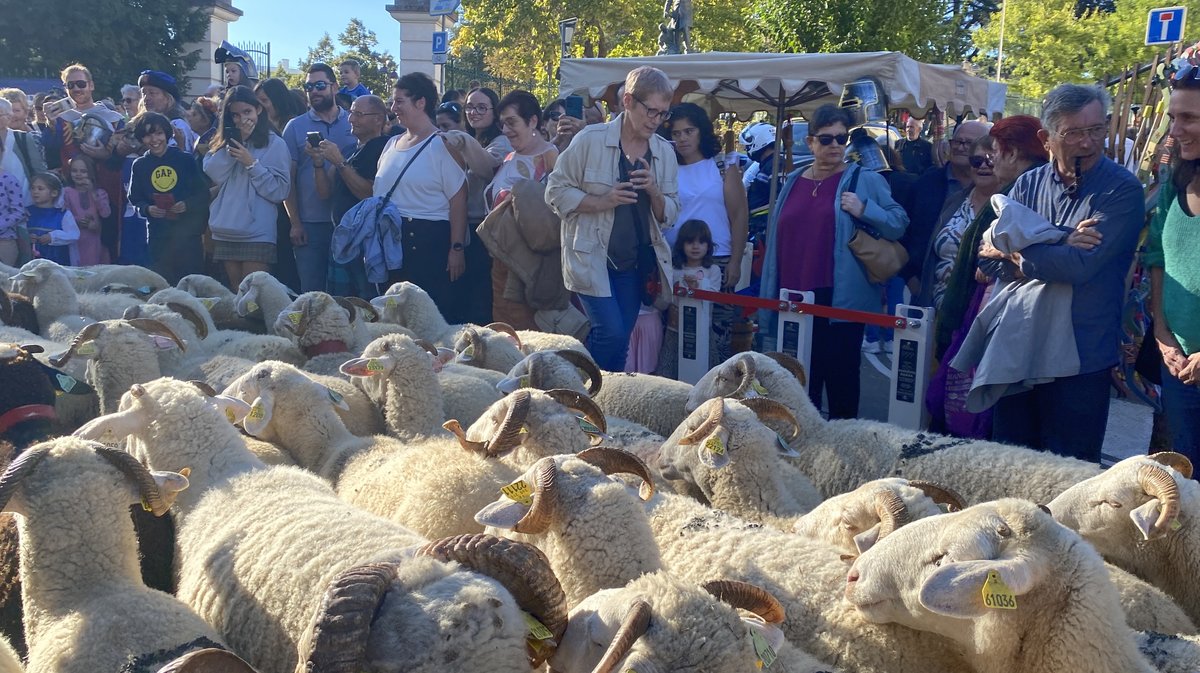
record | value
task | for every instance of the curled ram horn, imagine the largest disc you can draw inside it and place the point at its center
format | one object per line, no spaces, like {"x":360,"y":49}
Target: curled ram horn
{"x":505,"y":328}
{"x":471,"y":445}
{"x":890,"y":509}
{"x":618,"y":461}
{"x":581,"y":403}
{"x":204,"y":387}
{"x":749,"y":370}
{"x":152,"y":495}
{"x":155,"y":327}
{"x":1178,"y":461}
{"x":343,"y":627}
{"x":18,"y":469}
{"x":348,"y":307}
{"x":191,"y":316}
{"x":633,"y":626}
{"x":86,"y":334}
{"x":478,"y":346}
{"x":544,"y":508}
{"x":208,"y":660}
{"x":1158,"y":483}
{"x":746,"y":596}
{"x":770,"y":410}
{"x":10,"y":548}
{"x":365,"y":309}
{"x":716,"y":414}
{"x":941,"y":494}
{"x":521,"y":568}
{"x":428,"y":346}
{"x":508,"y":435}
{"x":791,"y":364}
{"x":586,"y":364}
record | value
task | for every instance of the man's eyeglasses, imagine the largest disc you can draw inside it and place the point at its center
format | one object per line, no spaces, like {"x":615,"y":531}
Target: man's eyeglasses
{"x":981,"y":161}
{"x":961,"y":144}
{"x":359,"y":113}
{"x":1097,"y":132}
{"x":653,"y":113}
{"x":76,"y":84}
{"x":825,"y":139}
{"x":477,"y":109}
{"x":317,"y":86}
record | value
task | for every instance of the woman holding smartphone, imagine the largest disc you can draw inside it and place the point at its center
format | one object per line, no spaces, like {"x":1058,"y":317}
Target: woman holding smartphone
{"x":251,"y":167}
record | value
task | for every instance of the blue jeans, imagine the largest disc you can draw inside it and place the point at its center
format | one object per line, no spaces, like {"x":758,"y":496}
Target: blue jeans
{"x":1067,"y":416}
{"x":894,"y":294}
{"x":613,"y":319}
{"x":1181,"y":403}
{"x":312,"y":260}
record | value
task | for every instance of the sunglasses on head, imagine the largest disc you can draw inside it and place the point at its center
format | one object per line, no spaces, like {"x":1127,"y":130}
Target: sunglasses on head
{"x":318,"y":86}
{"x":555,"y":116}
{"x":77,"y":84}
{"x":980,"y":162}
{"x":825,"y":139}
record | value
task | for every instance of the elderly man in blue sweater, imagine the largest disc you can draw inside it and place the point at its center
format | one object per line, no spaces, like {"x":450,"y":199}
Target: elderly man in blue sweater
{"x":1100,"y":203}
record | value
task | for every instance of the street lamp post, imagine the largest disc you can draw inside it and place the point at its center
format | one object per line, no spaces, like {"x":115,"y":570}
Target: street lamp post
{"x":566,"y":34}
{"x":1000,"y":56}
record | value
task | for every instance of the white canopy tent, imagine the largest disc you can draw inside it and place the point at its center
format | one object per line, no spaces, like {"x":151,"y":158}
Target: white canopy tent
{"x":744,"y":83}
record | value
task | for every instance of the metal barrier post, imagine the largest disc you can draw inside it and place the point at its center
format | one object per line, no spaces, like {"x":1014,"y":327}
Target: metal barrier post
{"x":794,"y":333}
{"x":695,"y":325}
{"x":910,"y":368}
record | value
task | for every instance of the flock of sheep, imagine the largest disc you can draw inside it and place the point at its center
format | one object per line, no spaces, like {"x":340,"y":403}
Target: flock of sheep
{"x":361,"y":487}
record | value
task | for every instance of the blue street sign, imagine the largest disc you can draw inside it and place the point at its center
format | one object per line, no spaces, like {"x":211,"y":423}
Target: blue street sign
{"x":442,"y":7}
{"x":439,"y":41}
{"x":1165,"y":25}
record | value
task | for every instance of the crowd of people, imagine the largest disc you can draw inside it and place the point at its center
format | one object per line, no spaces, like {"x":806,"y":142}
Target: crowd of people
{"x":259,"y":177}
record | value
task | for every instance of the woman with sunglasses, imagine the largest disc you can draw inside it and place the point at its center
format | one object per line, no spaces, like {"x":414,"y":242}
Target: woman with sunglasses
{"x":808,"y":240}
{"x":946,"y":241}
{"x":1174,"y":276}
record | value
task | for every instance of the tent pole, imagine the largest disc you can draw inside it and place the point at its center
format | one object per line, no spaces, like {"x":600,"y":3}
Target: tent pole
{"x":778,"y":156}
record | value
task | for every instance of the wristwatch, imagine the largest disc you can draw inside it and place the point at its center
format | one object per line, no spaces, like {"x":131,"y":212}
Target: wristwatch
{"x":457,"y":246}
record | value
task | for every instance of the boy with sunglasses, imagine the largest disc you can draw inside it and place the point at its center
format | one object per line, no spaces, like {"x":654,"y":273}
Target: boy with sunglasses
{"x":312,"y":216}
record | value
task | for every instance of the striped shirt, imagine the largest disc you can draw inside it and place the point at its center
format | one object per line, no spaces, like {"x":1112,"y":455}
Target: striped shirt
{"x":1107,"y":192}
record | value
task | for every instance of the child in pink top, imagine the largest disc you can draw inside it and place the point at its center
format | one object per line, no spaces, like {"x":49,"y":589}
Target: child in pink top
{"x":88,"y":203}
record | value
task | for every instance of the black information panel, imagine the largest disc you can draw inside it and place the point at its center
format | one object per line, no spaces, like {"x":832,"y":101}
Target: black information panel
{"x":791,"y":338}
{"x":906,"y":377}
{"x":689,"y":332}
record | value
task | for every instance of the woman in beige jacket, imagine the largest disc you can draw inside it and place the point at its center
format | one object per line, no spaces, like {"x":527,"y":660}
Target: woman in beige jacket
{"x":615,"y":187}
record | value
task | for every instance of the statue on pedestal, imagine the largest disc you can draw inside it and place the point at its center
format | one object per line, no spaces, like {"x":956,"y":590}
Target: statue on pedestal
{"x":675,"y":33}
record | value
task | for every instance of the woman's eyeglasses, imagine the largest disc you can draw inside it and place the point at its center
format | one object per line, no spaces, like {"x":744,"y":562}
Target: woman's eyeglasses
{"x":317,"y":86}
{"x":825,"y":139}
{"x":477,"y":109}
{"x":981,"y":161}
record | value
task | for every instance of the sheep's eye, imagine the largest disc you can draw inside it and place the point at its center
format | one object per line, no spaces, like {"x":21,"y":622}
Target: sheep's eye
{"x":1114,"y":504}
{"x":846,"y":525}
{"x":386,"y":347}
{"x":937,"y":560}
{"x":263,"y":373}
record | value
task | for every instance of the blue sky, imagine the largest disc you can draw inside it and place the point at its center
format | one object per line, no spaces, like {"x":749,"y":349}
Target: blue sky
{"x":292,"y":26}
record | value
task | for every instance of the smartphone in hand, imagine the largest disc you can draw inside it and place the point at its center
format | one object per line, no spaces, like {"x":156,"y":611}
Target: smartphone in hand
{"x":314,"y":139}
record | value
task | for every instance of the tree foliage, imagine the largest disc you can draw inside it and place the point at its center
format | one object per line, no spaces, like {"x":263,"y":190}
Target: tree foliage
{"x":357,"y":43}
{"x":916,"y":27}
{"x":115,"y":39}
{"x":1046,"y":44}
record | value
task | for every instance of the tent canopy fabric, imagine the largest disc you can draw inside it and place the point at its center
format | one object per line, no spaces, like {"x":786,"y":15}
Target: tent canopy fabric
{"x":744,"y":83}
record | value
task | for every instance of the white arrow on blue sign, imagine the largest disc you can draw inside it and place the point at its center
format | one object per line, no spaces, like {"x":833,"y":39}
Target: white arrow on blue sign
{"x":439,"y":41}
{"x":1165,"y":25}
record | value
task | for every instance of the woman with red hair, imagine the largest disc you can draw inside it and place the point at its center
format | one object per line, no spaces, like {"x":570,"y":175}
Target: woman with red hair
{"x":1017,"y":149}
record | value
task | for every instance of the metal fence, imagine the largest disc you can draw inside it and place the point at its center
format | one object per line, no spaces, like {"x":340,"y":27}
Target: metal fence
{"x":261,"y":53}
{"x":460,"y":77}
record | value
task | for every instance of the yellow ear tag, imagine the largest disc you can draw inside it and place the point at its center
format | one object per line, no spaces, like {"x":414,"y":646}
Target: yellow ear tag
{"x":758,"y":387}
{"x":67,"y":383}
{"x":374,"y":365}
{"x":146,"y":506}
{"x":257,"y":413}
{"x":294,"y":317}
{"x":537,"y":630}
{"x":518,"y":491}
{"x":390,"y":303}
{"x":714,"y":445}
{"x":1175,"y":525}
{"x":86,"y":348}
{"x":208,"y":303}
{"x":229,"y":415}
{"x":251,"y":306}
{"x":997,"y":595}
{"x":523,"y":382}
{"x":523,"y":431}
{"x":762,"y":650}
{"x":468,"y":352}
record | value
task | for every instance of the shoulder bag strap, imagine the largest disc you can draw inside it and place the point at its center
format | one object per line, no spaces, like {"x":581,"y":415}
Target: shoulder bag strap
{"x":23,"y":150}
{"x":404,"y":170}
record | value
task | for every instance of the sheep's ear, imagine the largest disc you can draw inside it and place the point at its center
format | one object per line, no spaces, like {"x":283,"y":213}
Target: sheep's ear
{"x":169,"y":485}
{"x":713,"y":450}
{"x":364,"y":367}
{"x":511,"y":384}
{"x":111,"y":427}
{"x":259,"y":416}
{"x":446,"y":355}
{"x":246,"y":304}
{"x":770,"y":634}
{"x":1144,"y":516}
{"x":785,"y":449}
{"x":162,"y":343}
{"x":209,"y":302}
{"x":233,"y":408}
{"x":503,"y":514}
{"x":336,"y":398}
{"x":957,"y":589}
{"x":866,"y":539}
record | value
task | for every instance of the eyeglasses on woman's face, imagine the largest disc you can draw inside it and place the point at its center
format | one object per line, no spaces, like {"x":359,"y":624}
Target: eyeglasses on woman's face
{"x":477,"y":109}
{"x":654,"y":114}
{"x":978,"y":161}
{"x":826,"y":138}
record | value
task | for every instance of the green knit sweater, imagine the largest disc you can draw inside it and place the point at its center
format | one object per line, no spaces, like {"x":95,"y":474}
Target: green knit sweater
{"x":1174,"y":246}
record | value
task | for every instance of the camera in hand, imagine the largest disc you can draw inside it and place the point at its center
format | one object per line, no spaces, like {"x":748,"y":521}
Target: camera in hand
{"x":231,"y":132}
{"x":314,"y":138}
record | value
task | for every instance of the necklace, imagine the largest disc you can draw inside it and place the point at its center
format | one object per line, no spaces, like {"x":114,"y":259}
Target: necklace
{"x":813,"y":173}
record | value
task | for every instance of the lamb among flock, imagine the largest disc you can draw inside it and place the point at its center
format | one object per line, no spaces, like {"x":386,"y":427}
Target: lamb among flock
{"x":197,"y":480}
